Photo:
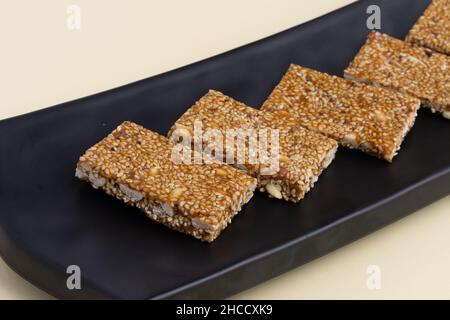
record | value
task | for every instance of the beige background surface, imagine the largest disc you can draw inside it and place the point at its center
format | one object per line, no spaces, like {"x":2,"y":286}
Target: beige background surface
{"x":44,"y":63}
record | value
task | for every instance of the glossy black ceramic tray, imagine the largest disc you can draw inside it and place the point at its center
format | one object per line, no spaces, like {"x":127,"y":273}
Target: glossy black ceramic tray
{"x":50,"y":220}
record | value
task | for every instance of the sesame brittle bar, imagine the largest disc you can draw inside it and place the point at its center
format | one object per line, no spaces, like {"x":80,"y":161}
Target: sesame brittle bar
{"x":432,"y":30}
{"x":391,"y":63}
{"x":301,"y":156}
{"x":358,"y":116}
{"x":135,"y":165}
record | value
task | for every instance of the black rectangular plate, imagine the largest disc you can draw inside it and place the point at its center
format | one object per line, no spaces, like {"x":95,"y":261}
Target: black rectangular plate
{"x":50,"y":220}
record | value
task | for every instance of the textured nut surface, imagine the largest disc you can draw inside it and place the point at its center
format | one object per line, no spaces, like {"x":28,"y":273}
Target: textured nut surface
{"x":380,"y":116}
{"x":80,"y":174}
{"x":96,"y":181}
{"x":176,"y":193}
{"x":84,"y":166}
{"x":154,"y":170}
{"x":221,"y":172}
{"x":164,"y":208}
{"x":133,"y":195}
{"x":350,"y":139}
{"x":446,"y":115}
{"x":200,"y":224}
{"x":274,"y":190}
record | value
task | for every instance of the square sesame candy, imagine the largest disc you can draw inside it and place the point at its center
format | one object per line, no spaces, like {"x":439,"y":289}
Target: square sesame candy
{"x":358,"y":116}
{"x":391,"y":63}
{"x":135,"y":165}
{"x":302,"y":154}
